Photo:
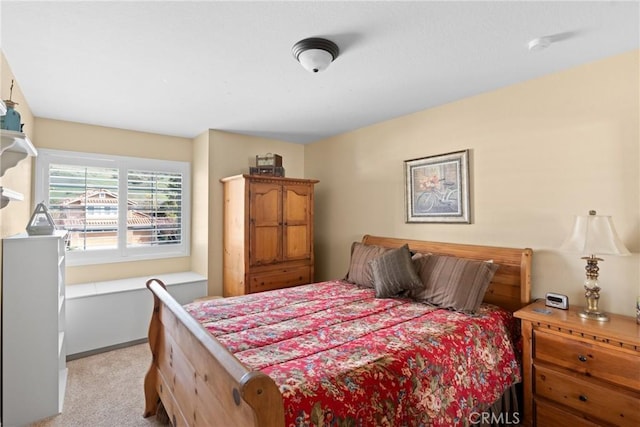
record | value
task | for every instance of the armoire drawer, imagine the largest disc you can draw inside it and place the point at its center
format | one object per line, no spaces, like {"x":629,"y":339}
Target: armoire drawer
{"x":279,"y":279}
{"x":610,"y":404}
{"x":588,"y":357}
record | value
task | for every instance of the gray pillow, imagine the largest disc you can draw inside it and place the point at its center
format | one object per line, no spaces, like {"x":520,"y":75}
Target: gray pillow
{"x":394,"y":272}
{"x":359,"y":268}
{"x":451,"y":282}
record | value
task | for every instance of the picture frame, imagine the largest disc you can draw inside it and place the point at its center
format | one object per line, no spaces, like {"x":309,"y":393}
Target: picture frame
{"x":437,"y":188}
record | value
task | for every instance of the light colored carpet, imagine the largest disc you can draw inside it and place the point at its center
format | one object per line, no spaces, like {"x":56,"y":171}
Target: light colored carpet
{"x":105,"y":390}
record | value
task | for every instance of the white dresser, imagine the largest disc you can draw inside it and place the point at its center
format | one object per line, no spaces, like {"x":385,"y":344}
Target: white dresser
{"x":34,"y":372}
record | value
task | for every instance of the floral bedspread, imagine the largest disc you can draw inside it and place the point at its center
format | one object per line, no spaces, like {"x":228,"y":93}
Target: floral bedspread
{"x":342,"y":357}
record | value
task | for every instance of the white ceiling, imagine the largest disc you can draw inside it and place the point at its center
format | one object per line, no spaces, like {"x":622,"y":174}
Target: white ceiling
{"x":179,"y":68}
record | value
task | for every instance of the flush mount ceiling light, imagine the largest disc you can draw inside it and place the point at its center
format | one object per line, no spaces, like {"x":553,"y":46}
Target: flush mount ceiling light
{"x":315,"y":54}
{"x":539,"y":44}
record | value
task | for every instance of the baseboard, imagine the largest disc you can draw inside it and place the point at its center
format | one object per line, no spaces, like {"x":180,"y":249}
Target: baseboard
{"x":105,"y":349}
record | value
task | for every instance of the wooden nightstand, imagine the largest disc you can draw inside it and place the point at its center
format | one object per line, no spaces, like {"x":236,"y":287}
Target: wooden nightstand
{"x":579,"y":372}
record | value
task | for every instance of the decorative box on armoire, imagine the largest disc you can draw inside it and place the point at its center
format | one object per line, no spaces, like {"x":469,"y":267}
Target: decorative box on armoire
{"x":34,"y":368}
{"x":268,"y":233}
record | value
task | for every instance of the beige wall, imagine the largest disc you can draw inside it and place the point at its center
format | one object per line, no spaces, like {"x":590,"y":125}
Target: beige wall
{"x":541,"y":152}
{"x":200,"y":205}
{"x":61,"y":135}
{"x":233,"y":154}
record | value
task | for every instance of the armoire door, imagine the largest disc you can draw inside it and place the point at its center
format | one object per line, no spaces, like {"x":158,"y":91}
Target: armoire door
{"x":265,"y":223}
{"x":297,"y":205}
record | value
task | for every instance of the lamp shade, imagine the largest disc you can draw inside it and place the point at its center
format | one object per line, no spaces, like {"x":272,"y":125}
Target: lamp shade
{"x":594,"y":235}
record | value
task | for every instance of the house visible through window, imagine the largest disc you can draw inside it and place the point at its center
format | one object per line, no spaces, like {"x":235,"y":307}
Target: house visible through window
{"x":115,"y":208}
{"x":154,"y":208}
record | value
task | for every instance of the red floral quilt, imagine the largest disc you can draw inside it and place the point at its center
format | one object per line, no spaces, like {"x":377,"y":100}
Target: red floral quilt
{"x":342,"y":357}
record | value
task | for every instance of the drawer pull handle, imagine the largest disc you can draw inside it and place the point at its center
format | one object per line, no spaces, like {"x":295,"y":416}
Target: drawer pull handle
{"x":582,"y":358}
{"x":582,"y":398}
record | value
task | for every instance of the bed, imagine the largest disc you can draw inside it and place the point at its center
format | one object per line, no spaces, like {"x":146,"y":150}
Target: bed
{"x":230,"y":362}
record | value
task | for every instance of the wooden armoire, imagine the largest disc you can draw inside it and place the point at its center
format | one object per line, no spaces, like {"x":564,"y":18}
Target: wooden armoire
{"x":268,"y":233}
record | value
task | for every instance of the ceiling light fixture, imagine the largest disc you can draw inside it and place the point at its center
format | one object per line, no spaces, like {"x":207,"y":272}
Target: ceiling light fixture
{"x":315,"y":54}
{"x":539,"y":44}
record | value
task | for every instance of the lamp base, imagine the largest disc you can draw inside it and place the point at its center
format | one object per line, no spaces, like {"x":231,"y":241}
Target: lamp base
{"x":594,"y":315}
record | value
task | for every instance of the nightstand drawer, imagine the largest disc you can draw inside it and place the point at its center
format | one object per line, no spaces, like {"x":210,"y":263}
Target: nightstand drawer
{"x":588,"y":357}
{"x":589,"y":397}
{"x":548,"y":415}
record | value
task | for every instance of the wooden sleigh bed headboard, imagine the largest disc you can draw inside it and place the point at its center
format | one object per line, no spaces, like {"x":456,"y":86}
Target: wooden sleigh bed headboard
{"x":198,"y":382}
{"x":510,"y":287}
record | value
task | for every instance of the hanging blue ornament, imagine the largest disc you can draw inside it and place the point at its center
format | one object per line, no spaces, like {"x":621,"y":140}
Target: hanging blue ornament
{"x":11,"y":120}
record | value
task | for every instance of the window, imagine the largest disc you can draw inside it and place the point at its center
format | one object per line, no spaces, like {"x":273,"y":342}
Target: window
{"x":116,"y":208}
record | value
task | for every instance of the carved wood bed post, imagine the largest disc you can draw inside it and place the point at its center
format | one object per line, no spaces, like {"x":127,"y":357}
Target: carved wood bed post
{"x":151,"y":395}
{"x":525,"y":277}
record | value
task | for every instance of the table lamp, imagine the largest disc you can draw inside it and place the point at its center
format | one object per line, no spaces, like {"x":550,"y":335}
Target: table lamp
{"x":593,"y":235}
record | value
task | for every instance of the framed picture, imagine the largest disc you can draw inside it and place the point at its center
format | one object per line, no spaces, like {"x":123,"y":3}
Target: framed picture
{"x":437,"y":188}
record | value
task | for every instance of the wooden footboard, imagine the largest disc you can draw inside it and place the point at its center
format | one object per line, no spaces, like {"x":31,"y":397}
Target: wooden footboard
{"x":199,"y":381}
